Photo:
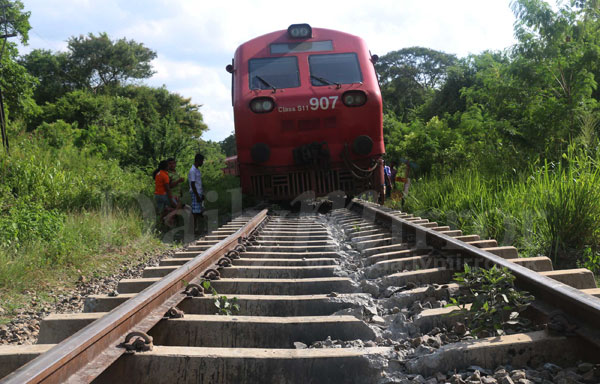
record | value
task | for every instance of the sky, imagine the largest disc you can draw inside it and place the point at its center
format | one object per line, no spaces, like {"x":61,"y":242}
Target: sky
{"x":195,"y":39}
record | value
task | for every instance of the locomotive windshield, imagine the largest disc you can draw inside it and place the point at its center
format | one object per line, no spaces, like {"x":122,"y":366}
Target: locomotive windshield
{"x":274,"y":73}
{"x":339,"y":68}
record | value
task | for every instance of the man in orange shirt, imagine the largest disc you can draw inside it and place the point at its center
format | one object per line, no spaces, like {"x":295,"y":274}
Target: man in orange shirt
{"x":162,"y":188}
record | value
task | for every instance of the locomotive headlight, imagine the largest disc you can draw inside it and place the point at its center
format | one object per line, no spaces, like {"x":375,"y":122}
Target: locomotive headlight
{"x":262,"y":105}
{"x":300,"y":31}
{"x":267,"y":105}
{"x":354,"y":98}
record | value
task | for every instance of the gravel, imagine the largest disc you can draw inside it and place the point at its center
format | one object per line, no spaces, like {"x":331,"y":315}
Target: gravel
{"x":390,"y":313}
{"x":583,"y":373}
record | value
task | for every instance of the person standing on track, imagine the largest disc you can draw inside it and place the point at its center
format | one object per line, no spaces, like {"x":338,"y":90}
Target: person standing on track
{"x":195,"y":180}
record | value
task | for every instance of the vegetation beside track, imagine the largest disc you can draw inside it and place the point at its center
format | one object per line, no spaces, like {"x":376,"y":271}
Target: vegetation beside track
{"x":66,"y":216}
{"x":506,"y":142}
{"x":76,"y":192}
{"x":91,"y":244}
{"x":551,"y":210}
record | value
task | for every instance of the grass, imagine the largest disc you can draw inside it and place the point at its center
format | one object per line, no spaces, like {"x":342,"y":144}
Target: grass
{"x":90,"y":244}
{"x":66,"y":213}
{"x":551,"y":209}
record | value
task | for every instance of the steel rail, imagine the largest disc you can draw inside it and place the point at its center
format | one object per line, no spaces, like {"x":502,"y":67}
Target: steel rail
{"x":583,"y":308}
{"x":84,"y":355}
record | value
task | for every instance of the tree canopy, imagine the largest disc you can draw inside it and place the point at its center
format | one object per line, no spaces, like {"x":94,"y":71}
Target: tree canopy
{"x":17,"y":84}
{"x":17,"y":20}
{"x":88,"y":97}
{"x":94,"y":63}
{"x":98,"y":62}
{"x":500,"y":110}
{"x":229,"y":146}
{"x":409,"y":76}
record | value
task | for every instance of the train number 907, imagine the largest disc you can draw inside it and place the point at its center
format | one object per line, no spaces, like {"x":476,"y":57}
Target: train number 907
{"x":323,"y":103}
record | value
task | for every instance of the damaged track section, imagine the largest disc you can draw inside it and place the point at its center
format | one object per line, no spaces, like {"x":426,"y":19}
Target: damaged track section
{"x":293,"y":295}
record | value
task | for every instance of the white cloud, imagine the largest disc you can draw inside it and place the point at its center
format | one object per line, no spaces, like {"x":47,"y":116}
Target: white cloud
{"x":220,"y":123}
{"x":208,"y":86}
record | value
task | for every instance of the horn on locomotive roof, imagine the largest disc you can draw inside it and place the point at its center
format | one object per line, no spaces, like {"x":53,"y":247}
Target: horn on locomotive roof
{"x":300,"y":31}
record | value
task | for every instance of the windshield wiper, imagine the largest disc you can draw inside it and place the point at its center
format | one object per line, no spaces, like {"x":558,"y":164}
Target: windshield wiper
{"x":265,"y":82}
{"x":325,"y":81}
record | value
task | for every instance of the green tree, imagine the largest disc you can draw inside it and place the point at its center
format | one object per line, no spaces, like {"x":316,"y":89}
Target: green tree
{"x":103,"y":124}
{"x":409,"y":76}
{"x":556,"y":65}
{"x":86,"y":90}
{"x":51,"y":71}
{"x":93,"y":63}
{"x":17,"y":85}
{"x":228,"y":145}
{"x":139,"y":126}
{"x":448,"y":99}
{"x":17,"y":88}
{"x":97,"y":62}
{"x":169,"y":124}
{"x":17,"y":20}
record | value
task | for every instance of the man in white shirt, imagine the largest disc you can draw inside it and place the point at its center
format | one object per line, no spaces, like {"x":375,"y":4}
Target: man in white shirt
{"x":195,"y":180}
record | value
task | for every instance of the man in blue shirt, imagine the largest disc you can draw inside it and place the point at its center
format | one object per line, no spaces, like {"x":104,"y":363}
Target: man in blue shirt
{"x":195,"y":180}
{"x":388,"y":180}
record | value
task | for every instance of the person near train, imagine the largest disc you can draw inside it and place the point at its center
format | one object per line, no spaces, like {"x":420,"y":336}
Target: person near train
{"x":388,"y":180}
{"x":163,"y":187}
{"x":195,"y":181}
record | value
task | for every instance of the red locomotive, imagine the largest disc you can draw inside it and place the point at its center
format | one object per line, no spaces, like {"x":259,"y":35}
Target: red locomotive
{"x":308,"y":114}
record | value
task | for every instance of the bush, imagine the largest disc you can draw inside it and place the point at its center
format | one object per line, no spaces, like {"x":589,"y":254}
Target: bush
{"x":495,"y":303}
{"x":568,"y":197}
{"x":57,"y":134}
{"x":68,"y":178}
{"x":553,"y":209}
{"x":26,"y":222}
{"x":87,"y":244}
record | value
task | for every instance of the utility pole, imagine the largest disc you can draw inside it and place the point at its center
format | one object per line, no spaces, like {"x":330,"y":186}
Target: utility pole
{"x":4,"y":37}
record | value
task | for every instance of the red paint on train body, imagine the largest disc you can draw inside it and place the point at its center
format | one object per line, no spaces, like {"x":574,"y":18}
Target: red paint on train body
{"x":308,"y":114}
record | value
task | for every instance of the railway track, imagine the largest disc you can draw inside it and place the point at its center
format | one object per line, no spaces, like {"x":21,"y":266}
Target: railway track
{"x":354,"y":296}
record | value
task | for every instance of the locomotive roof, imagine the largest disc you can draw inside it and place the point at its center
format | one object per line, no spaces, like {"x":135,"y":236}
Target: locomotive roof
{"x":282,"y":36}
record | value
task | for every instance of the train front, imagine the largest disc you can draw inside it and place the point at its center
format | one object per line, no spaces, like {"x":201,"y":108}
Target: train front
{"x":308,"y":114}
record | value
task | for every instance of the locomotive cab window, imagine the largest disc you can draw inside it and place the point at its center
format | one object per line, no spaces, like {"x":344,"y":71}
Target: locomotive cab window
{"x":338,"y":68}
{"x":274,"y":73}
